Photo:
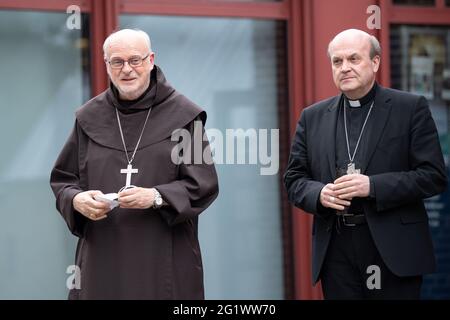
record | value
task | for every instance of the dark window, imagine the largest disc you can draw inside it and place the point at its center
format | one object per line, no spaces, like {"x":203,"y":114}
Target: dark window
{"x":420,"y":63}
{"x":424,"y":3}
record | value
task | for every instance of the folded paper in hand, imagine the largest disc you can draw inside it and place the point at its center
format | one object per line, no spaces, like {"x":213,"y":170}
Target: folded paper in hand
{"x":110,"y":198}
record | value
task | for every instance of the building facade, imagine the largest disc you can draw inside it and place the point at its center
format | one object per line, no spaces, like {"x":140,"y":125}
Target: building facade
{"x":251,"y":65}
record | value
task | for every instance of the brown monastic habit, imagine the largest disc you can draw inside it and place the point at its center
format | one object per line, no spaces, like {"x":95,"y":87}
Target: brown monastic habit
{"x":136,"y":254}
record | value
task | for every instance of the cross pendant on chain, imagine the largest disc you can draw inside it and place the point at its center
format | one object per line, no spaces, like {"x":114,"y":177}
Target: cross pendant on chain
{"x":351,"y":169}
{"x":129,"y":171}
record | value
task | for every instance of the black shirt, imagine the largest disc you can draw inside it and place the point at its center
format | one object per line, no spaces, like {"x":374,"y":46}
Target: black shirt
{"x":355,"y":120}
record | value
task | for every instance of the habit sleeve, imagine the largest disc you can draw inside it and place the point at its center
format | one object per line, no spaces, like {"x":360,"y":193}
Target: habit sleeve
{"x":193,"y":191}
{"x":64,"y":181}
{"x":426,"y":176}
{"x":303,"y":191}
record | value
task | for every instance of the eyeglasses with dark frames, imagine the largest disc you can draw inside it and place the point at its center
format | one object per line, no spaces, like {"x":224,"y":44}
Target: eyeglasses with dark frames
{"x":135,"y":61}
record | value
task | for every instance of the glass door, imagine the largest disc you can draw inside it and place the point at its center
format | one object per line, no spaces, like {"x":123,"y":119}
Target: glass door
{"x":420,"y":59}
{"x":45,"y":77}
{"x":234,"y":69}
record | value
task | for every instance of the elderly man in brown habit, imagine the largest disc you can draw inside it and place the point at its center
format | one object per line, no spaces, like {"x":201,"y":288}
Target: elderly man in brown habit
{"x":146,"y":247}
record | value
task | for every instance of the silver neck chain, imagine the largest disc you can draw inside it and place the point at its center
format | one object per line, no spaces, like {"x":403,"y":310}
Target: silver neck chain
{"x":360,"y":135}
{"x":139,"y":140}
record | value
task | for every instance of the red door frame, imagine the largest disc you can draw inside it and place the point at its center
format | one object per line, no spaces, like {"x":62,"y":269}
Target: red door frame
{"x":104,"y":20}
{"x":301,"y":94}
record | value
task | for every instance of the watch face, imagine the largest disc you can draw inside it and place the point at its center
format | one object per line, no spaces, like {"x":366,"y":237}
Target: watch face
{"x":158,"y":201}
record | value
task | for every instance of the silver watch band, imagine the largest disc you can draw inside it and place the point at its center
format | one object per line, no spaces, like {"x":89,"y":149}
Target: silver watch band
{"x":158,"y":201}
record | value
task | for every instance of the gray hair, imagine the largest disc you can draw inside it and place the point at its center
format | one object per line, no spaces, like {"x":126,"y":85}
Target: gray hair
{"x":137,"y":32}
{"x":375,"y":48}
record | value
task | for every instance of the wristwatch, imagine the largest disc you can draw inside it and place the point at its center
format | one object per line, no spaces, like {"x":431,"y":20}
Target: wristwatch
{"x":158,"y":202}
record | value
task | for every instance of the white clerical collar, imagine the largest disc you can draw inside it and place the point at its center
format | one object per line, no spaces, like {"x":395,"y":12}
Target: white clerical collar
{"x":354,"y":103}
{"x":369,"y":97}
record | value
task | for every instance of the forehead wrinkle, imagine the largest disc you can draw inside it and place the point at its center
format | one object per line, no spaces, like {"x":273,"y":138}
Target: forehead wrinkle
{"x":347,"y":41}
{"x":349,"y":51}
{"x":344,"y":54}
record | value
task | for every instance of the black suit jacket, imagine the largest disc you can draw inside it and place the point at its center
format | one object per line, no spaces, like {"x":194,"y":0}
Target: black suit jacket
{"x":404,"y":162}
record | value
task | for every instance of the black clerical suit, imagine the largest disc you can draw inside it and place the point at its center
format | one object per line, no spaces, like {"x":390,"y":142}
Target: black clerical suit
{"x":400,"y":152}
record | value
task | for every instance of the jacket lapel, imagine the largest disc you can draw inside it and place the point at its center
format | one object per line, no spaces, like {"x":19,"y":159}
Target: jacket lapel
{"x":376,"y":124}
{"x":329,"y":141}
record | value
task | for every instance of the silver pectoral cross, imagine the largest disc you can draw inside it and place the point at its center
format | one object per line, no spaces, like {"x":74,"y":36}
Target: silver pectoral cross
{"x":351,"y":169}
{"x":129,"y":171}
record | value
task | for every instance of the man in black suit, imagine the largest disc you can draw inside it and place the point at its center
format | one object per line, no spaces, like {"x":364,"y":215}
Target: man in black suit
{"x":362,"y":162}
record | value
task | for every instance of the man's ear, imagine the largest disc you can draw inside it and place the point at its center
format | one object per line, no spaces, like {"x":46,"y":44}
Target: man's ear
{"x":376,"y":63}
{"x":152,"y":58}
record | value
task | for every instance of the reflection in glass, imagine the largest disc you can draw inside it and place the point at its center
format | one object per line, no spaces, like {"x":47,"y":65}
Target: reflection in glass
{"x":44,"y":78}
{"x":420,"y":63}
{"x":233,"y":68}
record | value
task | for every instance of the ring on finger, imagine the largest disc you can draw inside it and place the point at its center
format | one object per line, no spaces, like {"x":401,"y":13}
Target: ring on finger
{"x":331,"y":199}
